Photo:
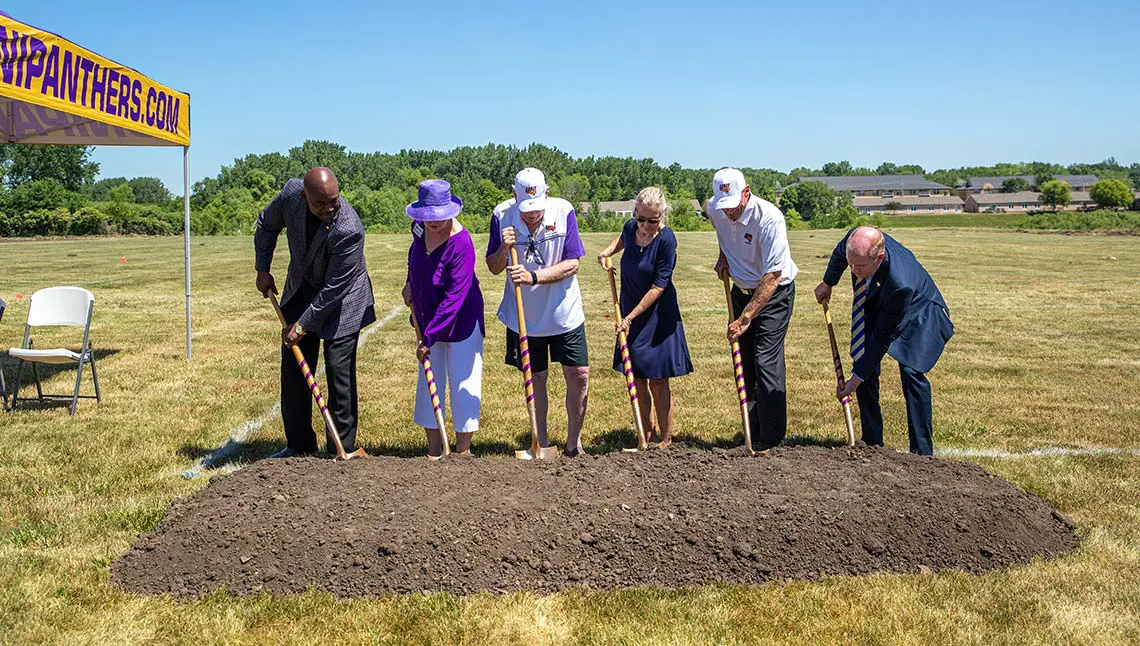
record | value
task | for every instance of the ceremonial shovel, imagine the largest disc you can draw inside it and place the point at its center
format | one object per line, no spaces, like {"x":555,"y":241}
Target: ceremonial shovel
{"x":535,"y":452}
{"x":839,"y":379}
{"x":429,"y":375}
{"x":627,"y":365}
{"x":340,"y":454}
{"x":738,"y":367}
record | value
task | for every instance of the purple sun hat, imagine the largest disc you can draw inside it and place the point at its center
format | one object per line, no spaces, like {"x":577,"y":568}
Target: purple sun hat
{"x":436,"y":202}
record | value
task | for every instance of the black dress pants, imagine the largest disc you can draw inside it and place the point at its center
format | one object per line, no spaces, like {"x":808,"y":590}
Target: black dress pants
{"x":765,"y":375}
{"x":339,"y":395}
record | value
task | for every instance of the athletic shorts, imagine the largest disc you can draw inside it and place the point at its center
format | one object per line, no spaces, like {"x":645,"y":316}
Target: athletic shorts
{"x":568,"y":348}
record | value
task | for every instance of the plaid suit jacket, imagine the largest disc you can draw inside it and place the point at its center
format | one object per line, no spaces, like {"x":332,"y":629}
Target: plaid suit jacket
{"x":334,"y":263}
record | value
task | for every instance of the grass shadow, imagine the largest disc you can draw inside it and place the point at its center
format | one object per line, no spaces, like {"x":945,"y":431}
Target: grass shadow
{"x":230,"y":453}
{"x":613,"y":441}
{"x":808,"y":440}
{"x":707,"y":444}
{"x":49,"y":403}
{"x":737,"y":440}
{"x":479,"y":449}
{"x":238,"y":453}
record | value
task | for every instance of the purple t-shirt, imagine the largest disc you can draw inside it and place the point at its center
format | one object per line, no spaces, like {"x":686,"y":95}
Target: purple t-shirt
{"x":445,"y":292}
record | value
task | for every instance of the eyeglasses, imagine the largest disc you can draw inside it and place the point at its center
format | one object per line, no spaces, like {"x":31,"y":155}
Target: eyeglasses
{"x":650,"y":220}
{"x":533,"y":255}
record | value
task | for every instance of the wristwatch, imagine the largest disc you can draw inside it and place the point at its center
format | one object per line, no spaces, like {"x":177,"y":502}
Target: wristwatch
{"x":534,"y":278}
{"x":298,"y":330}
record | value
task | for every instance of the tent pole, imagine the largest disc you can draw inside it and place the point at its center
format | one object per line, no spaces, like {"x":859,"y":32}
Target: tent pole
{"x":186,"y":238}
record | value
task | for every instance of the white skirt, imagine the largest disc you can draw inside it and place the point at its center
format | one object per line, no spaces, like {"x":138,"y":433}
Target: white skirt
{"x":458,"y":370}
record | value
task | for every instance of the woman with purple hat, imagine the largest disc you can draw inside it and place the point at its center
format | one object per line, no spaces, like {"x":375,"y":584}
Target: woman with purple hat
{"x":443,"y":292}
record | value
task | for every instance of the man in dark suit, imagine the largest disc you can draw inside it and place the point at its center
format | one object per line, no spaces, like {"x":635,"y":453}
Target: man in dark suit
{"x":897,"y":310}
{"x":328,"y":295}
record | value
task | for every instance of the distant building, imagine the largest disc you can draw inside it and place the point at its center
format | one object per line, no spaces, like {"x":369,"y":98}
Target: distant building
{"x":882,"y":185}
{"x":976,"y":185}
{"x":1020,"y":202}
{"x":997,"y":202}
{"x":624,"y":208}
{"x":904,"y":193}
{"x":909,"y":204}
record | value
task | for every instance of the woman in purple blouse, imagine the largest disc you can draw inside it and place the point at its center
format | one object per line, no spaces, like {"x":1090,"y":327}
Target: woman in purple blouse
{"x":443,"y":291}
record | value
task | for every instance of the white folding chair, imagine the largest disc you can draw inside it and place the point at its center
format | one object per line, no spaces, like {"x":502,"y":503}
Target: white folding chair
{"x":3,"y":386}
{"x":54,"y":307}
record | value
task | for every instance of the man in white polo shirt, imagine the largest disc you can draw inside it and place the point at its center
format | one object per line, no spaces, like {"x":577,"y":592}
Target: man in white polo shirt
{"x":544,"y":231}
{"x":754,"y":251}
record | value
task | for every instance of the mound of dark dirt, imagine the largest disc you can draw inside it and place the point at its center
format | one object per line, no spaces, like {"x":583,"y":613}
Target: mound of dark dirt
{"x":674,"y":518}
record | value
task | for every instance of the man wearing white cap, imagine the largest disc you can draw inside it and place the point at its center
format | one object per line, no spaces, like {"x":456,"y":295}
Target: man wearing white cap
{"x":754,"y":251}
{"x":544,"y":231}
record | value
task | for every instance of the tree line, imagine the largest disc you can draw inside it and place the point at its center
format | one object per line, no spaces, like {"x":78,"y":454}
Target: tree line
{"x":52,"y":190}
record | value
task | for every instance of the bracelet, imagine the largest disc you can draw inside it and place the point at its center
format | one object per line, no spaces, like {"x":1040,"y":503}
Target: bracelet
{"x":534,"y":278}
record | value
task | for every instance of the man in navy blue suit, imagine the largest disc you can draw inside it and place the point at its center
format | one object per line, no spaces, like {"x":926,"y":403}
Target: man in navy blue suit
{"x":897,"y":310}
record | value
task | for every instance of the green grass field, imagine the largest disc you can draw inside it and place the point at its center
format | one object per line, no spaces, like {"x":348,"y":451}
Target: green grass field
{"x":1045,"y":355}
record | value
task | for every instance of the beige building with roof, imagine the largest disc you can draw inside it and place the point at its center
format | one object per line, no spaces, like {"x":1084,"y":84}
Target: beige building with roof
{"x":1020,"y":202}
{"x":624,"y":208}
{"x":909,"y":204}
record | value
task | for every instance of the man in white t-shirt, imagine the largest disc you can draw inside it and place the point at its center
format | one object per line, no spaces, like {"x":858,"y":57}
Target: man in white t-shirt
{"x":754,"y":251}
{"x":544,"y":231}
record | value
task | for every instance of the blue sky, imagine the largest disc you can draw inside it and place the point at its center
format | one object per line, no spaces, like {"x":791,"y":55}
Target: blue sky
{"x":702,"y":84}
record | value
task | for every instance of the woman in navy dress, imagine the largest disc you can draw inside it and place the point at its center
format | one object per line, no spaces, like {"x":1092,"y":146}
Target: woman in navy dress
{"x":652,"y":322}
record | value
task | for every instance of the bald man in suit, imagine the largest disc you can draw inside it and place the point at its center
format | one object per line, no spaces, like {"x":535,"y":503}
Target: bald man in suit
{"x":328,"y":295}
{"x":897,"y":310}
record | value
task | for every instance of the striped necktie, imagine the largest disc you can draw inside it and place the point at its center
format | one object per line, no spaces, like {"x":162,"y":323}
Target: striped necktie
{"x":857,"y":318}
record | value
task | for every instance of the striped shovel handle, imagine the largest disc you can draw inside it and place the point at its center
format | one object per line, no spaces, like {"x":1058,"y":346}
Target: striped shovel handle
{"x":429,"y":376}
{"x":626,"y":362}
{"x":524,"y":359}
{"x":738,"y":368}
{"x":313,"y":388}
{"x":840,"y":380}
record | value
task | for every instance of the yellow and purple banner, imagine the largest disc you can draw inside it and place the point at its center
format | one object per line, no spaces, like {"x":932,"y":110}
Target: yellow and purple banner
{"x":54,"y":91}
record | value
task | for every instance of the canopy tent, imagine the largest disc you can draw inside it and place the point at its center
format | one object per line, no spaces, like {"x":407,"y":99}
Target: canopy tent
{"x":53,"y":91}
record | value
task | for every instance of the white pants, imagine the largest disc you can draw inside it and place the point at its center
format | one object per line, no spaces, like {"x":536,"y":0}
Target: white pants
{"x":458,"y":369}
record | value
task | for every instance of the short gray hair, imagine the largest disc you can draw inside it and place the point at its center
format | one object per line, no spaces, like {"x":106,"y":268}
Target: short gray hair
{"x":654,"y":197}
